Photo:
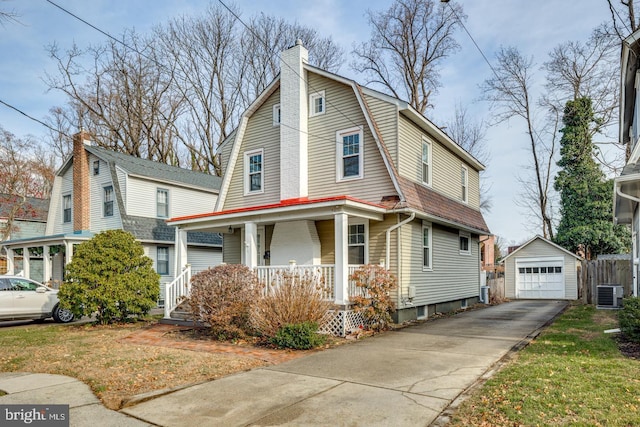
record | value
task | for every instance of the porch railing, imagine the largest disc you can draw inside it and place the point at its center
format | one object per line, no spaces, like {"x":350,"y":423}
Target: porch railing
{"x":176,"y":290}
{"x":271,"y":276}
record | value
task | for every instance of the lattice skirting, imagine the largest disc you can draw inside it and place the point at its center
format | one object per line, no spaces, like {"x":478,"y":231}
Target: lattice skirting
{"x":341,"y":322}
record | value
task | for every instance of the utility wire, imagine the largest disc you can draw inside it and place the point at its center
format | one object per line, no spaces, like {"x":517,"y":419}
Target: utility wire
{"x":33,"y":118}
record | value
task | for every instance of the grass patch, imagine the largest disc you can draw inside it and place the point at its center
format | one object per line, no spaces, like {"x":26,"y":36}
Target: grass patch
{"x":113,"y":369}
{"x":572,"y":374}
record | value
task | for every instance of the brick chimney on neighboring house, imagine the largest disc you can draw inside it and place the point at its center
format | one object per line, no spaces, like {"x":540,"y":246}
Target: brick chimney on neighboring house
{"x":81,"y":190}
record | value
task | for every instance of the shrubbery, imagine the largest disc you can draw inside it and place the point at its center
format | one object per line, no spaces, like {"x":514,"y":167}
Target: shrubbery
{"x":110,"y":276}
{"x":299,"y":336}
{"x":376,"y":284}
{"x":629,"y":318}
{"x":222,"y":298}
{"x":296,"y":299}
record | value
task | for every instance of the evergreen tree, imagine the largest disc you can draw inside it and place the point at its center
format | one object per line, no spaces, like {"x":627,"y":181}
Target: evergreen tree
{"x":586,"y":224}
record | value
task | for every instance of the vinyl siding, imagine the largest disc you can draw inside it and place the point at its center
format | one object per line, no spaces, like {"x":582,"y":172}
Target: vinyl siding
{"x":203,"y":258}
{"x":378,"y":240}
{"x":231,"y":248}
{"x":446,"y":165}
{"x":97,"y":183}
{"x":342,"y":112}
{"x":260,"y":134}
{"x":541,"y":249}
{"x":453,"y":276}
{"x":327,"y":236}
{"x":225,"y":154}
{"x":385,"y":116}
{"x":66,"y":187}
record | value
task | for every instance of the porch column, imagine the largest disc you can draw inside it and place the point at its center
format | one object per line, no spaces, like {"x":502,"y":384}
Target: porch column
{"x":180,"y":259}
{"x":10,"y":261}
{"x":46,"y":264}
{"x":341,"y":268}
{"x":68,"y":252}
{"x":25,"y":261}
{"x":251,"y":244}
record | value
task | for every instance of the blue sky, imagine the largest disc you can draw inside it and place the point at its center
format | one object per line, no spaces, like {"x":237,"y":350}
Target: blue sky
{"x":535,"y":27}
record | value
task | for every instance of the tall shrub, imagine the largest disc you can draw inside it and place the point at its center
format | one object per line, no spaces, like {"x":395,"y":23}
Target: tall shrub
{"x":110,"y":276}
{"x":221,"y":297}
{"x":374,"y":302}
{"x":629,"y":318}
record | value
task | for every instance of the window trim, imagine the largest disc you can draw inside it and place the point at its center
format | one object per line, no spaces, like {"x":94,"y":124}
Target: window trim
{"x":276,"y":118}
{"x":427,"y":226}
{"x":312,"y":104}
{"x":106,"y":204}
{"x":464,"y":178}
{"x":163,"y":261}
{"x":247,"y":173}
{"x":429,"y":164}
{"x":96,"y":167}
{"x":64,"y":208}
{"x":340,"y":156}
{"x":359,"y":221}
{"x":166,"y":191}
{"x":461,"y":235}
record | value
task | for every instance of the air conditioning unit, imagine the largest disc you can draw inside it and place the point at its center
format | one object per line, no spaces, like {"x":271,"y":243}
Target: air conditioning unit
{"x":609,"y":296}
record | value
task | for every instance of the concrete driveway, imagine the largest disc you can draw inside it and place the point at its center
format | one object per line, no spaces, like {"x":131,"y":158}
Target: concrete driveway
{"x":401,"y":378}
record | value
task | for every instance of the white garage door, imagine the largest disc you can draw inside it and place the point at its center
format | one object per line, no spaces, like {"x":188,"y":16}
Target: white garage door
{"x":540,"y":278}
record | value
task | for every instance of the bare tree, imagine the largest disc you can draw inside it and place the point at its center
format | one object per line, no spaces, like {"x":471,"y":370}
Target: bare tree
{"x":623,"y":18}
{"x":8,"y":16}
{"x":511,"y":93}
{"x":408,"y":43}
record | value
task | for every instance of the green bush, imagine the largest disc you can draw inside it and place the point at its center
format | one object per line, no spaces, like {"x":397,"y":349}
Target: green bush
{"x":629,"y":318}
{"x":221,"y":297}
{"x":375,"y":284}
{"x":299,"y":336}
{"x":110,"y":276}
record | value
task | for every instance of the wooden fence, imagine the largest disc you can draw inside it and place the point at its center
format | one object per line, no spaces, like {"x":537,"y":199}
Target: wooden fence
{"x":603,"y":272}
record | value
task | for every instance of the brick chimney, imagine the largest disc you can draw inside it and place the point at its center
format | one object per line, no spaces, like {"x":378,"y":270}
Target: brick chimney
{"x":294,"y":178}
{"x":81,"y":191}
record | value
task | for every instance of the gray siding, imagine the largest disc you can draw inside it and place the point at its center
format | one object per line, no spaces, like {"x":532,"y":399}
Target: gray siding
{"x":98,"y":221}
{"x":66,"y":187}
{"x":231,"y":248}
{"x":453,"y":276}
{"x":203,"y":258}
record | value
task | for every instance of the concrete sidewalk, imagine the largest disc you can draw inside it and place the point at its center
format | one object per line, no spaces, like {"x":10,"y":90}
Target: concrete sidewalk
{"x":401,"y":378}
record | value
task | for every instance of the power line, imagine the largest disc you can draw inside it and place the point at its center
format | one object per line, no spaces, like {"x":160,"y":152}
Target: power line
{"x":33,"y":118}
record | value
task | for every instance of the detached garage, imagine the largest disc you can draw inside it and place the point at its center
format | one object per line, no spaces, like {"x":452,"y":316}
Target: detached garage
{"x":540,"y":269}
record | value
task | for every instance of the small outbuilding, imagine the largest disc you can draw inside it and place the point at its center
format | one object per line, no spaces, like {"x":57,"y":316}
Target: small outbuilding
{"x":540,"y":269}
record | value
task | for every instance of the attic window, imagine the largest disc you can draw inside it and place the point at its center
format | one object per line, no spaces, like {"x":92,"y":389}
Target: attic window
{"x":317,"y":104}
{"x":276,"y":115}
{"x":96,"y":167}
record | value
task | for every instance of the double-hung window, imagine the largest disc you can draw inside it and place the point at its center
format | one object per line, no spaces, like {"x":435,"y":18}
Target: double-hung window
{"x":317,"y":104}
{"x":357,"y":244}
{"x":162,"y":260}
{"x":162,"y":203}
{"x":426,"y":247}
{"x":254,"y":168}
{"x":465,"y":243}
{"x":66,"y":208}
{"x":276,"y":115}
{"x":426,"y":162}
{"x":349,"y":153}
{"x":107,"y":209}
{"x":464,"y":177}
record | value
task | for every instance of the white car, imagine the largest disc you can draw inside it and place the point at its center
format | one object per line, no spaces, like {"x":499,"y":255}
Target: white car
{"x":22,"y":298}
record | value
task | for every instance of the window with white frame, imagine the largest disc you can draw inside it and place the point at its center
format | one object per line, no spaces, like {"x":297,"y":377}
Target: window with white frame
{"x":465,"y":243}
{"x":349,"y":153}
{"x":426,"y":246}
{"x":426,"y":162}
{"x":162,"y":260}
{"x":66,"y":208}
{"x":357,"y":244}
{"x":464,"y":177}
{"x":96,"y":167}
{"x":317,"y":103}
{"x":254,"y":176}
{"x":162,"y":203}
{"x":276,"y":115}
{"x":107,"y":209}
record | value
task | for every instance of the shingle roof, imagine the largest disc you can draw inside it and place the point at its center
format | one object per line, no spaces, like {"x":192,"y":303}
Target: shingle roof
{"x":155,"y":229}
{"x":34,"y":209}
{"x":157,"y":170}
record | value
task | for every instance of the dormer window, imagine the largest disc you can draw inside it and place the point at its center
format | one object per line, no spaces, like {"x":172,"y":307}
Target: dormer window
{"x":317,"y":104}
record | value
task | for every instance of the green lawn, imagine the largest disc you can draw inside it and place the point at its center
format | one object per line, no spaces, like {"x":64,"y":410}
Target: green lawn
{"x":572,"y":374}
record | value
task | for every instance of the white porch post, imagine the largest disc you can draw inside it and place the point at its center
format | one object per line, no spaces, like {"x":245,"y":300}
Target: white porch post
{"x":10,"y":261}
{"x":341,"y":269}
{"x":250,"y":245}
{"x":68,"y":253}
{"x":25,"y":261}
{"x":46,"y":264}
{"x":180,"y":259}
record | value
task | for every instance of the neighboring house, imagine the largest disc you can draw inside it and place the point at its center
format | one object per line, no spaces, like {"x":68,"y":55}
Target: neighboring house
{"x":488,"y":253}
{"x":98,"y":189}
{"x":626,"y":197}
{"x":540,"y":269}
{"x":28,"y":217}
{"x":329,"y":175}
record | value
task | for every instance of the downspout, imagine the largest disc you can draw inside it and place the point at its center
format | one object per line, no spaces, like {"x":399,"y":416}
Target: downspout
{"x":634,"y":264}
{"x":387,"y":259}
{"x":480,"y":270}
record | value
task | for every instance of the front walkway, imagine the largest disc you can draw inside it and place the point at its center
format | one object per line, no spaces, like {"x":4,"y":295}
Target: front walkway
{"x":401,"y":378}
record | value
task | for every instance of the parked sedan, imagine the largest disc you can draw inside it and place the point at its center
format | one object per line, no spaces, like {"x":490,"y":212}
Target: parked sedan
{"x":22,"y":298}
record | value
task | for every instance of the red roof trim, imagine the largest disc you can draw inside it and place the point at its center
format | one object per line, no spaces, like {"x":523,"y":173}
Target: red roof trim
{"x":283,"y":204}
